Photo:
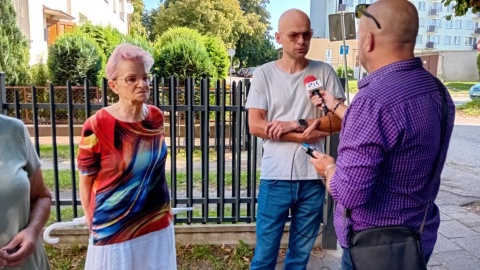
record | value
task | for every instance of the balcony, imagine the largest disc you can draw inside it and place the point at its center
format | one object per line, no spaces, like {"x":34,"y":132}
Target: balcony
{"x":430,"y":45}
{"x":476,"y":32}
{"x":433,"y":13}
{"x":431,"y":29}
{"x":476,"y":16}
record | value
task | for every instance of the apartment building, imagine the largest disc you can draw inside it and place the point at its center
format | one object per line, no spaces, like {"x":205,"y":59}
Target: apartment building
{"x":42,"y":21}
{"x":435,"y":33}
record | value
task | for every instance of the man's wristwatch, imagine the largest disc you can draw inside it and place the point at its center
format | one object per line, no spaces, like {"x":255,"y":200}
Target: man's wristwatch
{"x":302,"y":123}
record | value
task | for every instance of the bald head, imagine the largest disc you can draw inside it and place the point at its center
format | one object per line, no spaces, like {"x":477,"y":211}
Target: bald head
{"x":291,"y":17}
{"x":398,"y":19}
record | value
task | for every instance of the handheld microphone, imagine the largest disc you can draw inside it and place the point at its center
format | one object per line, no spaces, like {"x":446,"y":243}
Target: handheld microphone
{"x":314,"y":86}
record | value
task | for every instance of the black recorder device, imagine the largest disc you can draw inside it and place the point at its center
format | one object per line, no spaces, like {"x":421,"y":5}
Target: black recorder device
{"x":309,"y":149}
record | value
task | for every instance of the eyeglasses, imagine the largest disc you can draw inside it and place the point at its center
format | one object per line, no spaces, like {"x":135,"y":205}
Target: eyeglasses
{"x":361,"y":10}
{"x":294,"y":36}
{"x":135,"y":79}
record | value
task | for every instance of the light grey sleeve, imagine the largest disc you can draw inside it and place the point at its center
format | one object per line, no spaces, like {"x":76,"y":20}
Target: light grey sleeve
{"x":33,"y":161}
{"x":257,"y":97}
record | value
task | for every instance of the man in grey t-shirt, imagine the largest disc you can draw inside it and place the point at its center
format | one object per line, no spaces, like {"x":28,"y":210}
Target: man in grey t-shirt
{"x":281,"y":113}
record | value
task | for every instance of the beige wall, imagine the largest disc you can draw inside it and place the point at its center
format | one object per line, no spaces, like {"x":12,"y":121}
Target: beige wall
{"x":459,"y":66}
{"x":319,"y":47}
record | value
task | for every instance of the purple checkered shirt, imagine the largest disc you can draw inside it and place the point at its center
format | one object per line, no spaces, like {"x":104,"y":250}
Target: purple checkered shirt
{"x":388,"y":146}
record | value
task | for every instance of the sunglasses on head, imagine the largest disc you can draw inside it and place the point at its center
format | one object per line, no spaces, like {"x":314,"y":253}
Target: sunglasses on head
{"x":361,"y":10}
{"x":294,"y":36}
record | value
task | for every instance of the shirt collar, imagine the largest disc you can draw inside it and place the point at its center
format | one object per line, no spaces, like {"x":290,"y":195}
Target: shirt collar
{"x":409,"y":64}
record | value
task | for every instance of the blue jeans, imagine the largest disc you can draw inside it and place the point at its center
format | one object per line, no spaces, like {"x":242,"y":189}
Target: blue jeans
{"x":275,"y":199}
{"x":347,"y":260}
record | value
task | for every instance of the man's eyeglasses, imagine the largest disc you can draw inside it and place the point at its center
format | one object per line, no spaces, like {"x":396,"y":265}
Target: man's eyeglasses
{"x":294,"y":36}
{"x":134,"y":79}
{"x":361,"y":10}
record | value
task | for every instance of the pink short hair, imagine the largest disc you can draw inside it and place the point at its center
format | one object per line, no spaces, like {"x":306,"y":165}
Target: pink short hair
{"x":127,"y":51}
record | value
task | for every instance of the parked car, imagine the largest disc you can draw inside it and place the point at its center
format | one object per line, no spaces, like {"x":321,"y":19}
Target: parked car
{"x":475,"y":91}
{"x":241,"y":72}
{"x":232,"y":71}
{"x":249,"y":72}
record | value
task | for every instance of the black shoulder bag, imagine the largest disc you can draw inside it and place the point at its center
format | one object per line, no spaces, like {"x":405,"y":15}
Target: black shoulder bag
{"x":393,"y":247}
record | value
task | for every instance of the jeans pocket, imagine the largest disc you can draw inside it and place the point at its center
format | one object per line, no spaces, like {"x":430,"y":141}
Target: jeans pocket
{"x":269,"y":182}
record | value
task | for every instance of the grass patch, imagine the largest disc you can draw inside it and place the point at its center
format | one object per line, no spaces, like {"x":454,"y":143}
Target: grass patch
{"x":66,"y":213}
{"x":72,"y":257}
{"x":63,"y":151}
{"x":64,"y":178}
{"x":62,"y":257}
{"x":352,"y":86}
{"x":471,"y":108}
{"x":459,"y":88}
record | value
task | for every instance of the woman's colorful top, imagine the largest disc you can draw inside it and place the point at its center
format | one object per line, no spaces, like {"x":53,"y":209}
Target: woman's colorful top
{"x":130,"y":196}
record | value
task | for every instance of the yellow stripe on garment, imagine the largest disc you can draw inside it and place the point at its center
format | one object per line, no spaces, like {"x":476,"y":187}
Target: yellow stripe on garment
{"x":88,"y":142}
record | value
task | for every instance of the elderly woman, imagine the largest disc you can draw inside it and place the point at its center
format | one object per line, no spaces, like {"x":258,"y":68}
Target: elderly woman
{"x":24,"y":199}
{"x":121,"y":160}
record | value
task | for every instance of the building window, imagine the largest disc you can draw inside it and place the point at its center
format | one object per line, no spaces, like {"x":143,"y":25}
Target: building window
{"x":450,"y":8}
{"x":434,"y":38}
{"x":458,"y":24}
{"x":470,"y":25}
{"x":114,"y":6}
{"x":456,"y":40}
{"x":419,"y":39}
{"x":121,"y":13}
{"x":348,"y":3}
{"x":470,"y":40}
{"x":362,"y":1}
{"x":437,"y":6}
{"x":447,"y":40}
{"x":449,"y":24}
{"x":436,"y":22}
{"x":421,"y":22}
{"x":421,"y":6}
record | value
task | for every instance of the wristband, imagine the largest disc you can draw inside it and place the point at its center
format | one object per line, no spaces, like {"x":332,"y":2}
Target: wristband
{"x":336,"y":106}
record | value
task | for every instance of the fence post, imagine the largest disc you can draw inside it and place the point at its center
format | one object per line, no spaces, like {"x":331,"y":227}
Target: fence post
{"x":3,"y":94}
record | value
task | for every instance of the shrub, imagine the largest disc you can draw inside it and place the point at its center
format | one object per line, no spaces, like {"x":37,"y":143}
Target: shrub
{"x":218,"y":55}
{"x":73,"y":57}
{"x":341,"y":71}
{"x":183,"y":58}
{"x":39,"y":74}
{"x":105,"y":37}
{"x":139,"y":41}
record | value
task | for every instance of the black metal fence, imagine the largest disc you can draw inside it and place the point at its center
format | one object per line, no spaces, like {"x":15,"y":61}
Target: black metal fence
{"x":219,"y":170}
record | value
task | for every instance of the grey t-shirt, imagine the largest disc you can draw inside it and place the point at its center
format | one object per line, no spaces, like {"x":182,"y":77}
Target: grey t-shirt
{"x":285,"y":98}
{"x":18,"y":161}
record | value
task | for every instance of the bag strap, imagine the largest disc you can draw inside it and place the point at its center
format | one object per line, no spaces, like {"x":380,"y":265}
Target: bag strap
{"x":433,"y":173}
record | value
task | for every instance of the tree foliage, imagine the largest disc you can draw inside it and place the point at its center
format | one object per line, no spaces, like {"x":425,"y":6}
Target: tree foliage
{"x":256,"y":48}
{"x":461,"y":7}
{"x":14,"y":47}
{"x":217,"y":52}
{"x":223,"y":19}
{"x":136,"y":19}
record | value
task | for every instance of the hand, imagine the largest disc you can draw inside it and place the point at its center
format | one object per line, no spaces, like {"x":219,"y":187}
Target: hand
{"x":276,"y":129}
{"x":321,"y":161}
{"x":329,"y":99}
{"x":20,"y":248}
{"x":312,"y":134}
{"x":316,"y":100}
{"x":3,"y":261}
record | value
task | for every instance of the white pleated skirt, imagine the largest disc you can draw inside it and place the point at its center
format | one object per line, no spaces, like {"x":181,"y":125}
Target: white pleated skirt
{"x":153,"y":251}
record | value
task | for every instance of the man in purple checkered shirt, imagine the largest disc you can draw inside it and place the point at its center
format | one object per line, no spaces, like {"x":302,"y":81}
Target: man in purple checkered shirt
{"x":390,"y":134}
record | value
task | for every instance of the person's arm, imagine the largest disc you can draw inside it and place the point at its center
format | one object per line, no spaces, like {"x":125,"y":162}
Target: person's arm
{"x":85,"y":186}
{"x":285,"y":131}
{"x":23,"y":244}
